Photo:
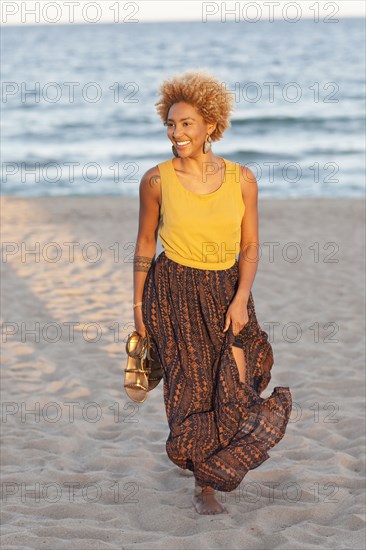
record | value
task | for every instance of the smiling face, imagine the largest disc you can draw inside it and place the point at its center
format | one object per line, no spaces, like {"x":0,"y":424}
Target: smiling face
{"x":187,"y":129}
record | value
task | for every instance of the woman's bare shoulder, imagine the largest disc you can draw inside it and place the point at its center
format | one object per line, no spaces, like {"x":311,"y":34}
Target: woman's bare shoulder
{"x":151,"y":184}
{"x":248,"y":182}
{"x":150,"y":174}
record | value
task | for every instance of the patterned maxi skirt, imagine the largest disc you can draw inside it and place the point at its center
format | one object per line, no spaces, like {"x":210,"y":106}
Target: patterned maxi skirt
{"x":220,"y":428}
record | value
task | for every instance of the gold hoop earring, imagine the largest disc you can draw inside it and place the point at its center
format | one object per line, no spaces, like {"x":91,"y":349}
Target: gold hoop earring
{"x":175,"y":152}
{"x":207,"y":145}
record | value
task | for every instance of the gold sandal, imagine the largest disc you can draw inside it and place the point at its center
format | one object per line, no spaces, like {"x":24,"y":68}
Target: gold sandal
{"x":136,"y":381}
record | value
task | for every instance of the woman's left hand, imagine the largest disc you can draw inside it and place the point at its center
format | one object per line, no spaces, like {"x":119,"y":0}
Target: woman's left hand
{"x":237,"y":314}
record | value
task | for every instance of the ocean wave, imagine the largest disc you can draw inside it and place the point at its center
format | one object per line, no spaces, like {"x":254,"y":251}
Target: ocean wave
{"x":293,"y":120}
{"x":115,"y":131}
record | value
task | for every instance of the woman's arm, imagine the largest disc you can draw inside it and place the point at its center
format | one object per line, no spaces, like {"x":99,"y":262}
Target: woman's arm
{"x":237,"y":313}
{"x":149,"y":194}
{"x":249,"y":245}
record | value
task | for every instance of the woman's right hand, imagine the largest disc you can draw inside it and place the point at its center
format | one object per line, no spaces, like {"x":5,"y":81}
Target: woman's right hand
{"x":139,"y":324}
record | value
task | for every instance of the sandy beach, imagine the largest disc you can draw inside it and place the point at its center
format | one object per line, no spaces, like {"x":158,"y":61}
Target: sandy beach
{"x":85,"y":468}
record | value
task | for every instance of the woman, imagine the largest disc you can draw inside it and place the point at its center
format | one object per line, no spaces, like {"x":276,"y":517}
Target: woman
{"x":195,"y":298}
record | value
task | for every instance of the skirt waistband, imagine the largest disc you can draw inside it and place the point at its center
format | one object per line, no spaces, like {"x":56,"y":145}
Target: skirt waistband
{"x":163,"y":257}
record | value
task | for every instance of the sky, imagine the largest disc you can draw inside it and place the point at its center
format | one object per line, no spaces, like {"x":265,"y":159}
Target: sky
{"x":17,"y":12}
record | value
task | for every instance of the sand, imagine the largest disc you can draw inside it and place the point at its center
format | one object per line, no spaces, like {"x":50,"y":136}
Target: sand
{"x":85,"y":468}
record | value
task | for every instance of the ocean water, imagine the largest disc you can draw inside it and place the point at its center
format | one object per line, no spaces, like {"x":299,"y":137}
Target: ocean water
{"x":78,"y":111}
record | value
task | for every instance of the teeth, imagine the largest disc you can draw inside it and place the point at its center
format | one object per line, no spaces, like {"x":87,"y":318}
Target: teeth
{"x":182,"y":142}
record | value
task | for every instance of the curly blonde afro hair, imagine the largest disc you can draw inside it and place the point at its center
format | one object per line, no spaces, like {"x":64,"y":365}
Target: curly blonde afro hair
{"x":200,"y":89}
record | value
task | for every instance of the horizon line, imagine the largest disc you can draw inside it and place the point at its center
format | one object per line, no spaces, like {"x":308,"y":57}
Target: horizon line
{"x":68,"y":23}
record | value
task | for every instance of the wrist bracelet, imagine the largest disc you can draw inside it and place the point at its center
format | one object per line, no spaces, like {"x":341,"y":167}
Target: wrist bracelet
{"x":138,"y":304}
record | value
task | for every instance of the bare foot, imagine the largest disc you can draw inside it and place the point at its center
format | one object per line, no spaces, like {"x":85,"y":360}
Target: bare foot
{"x":205,"y":502}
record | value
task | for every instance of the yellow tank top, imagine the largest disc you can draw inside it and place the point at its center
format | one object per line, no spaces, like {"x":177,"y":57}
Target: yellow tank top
{"x":201,"y":231}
